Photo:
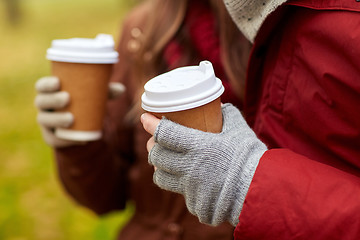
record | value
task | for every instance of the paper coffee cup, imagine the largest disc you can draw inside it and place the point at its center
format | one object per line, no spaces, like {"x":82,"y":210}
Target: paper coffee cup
{"x":189,"y":96}
{"x":83,"y":66}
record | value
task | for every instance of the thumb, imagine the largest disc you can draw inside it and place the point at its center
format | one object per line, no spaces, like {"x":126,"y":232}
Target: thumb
{"x":149,"y":122}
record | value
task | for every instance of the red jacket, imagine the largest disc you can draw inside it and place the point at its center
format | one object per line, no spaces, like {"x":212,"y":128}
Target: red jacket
{"x":303,"y":101}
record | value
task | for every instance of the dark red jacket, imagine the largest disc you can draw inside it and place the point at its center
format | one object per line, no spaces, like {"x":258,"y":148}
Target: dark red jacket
{"x":303,"y":101}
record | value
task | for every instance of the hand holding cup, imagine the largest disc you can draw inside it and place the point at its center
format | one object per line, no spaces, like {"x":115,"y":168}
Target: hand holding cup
{"x":50,"y":102}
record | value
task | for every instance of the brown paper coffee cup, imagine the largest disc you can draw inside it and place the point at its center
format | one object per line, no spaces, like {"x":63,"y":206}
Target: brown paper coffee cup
{"x":83,"y":67}
{"x":189,"y":96}
{"x":207,"y":118}
{"x":87,"y":85}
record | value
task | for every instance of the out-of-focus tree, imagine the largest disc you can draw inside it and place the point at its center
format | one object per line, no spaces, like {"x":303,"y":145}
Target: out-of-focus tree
{"x":12,"y":8}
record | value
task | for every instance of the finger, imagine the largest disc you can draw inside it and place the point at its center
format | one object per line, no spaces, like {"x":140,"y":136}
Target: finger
{"x":47,"y":84}
{"x":167,"y":181}
{"x":149,"y":122}
{"x":178,"y":137}
{"x":150,"y":144}
{"x":116,"y":90}
{"x":57,"y":100}
{"x":53,"y":141}
{"x":55,"y":119}
{"x":169,"y":161}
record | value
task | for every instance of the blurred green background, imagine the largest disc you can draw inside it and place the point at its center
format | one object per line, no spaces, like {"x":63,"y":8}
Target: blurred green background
{"x":33,"y":204}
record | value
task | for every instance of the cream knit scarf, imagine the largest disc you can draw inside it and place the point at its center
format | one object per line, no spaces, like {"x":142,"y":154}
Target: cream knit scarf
{"x":250,"y":14}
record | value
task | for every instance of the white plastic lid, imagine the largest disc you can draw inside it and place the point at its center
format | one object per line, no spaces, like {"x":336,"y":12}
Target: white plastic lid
{"x":84,"y":50}
{"x":182,"y":88}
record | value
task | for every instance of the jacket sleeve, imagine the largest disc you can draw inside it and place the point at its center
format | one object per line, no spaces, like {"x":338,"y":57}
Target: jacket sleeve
{"x":95,"y":175}
{"x":293,"y":197}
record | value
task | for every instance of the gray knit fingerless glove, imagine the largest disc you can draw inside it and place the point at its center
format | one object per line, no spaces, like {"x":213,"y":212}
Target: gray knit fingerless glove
{"x":212,"y":171}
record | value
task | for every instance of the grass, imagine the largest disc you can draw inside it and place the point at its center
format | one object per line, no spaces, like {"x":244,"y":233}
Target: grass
{"x":33,"y":204}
